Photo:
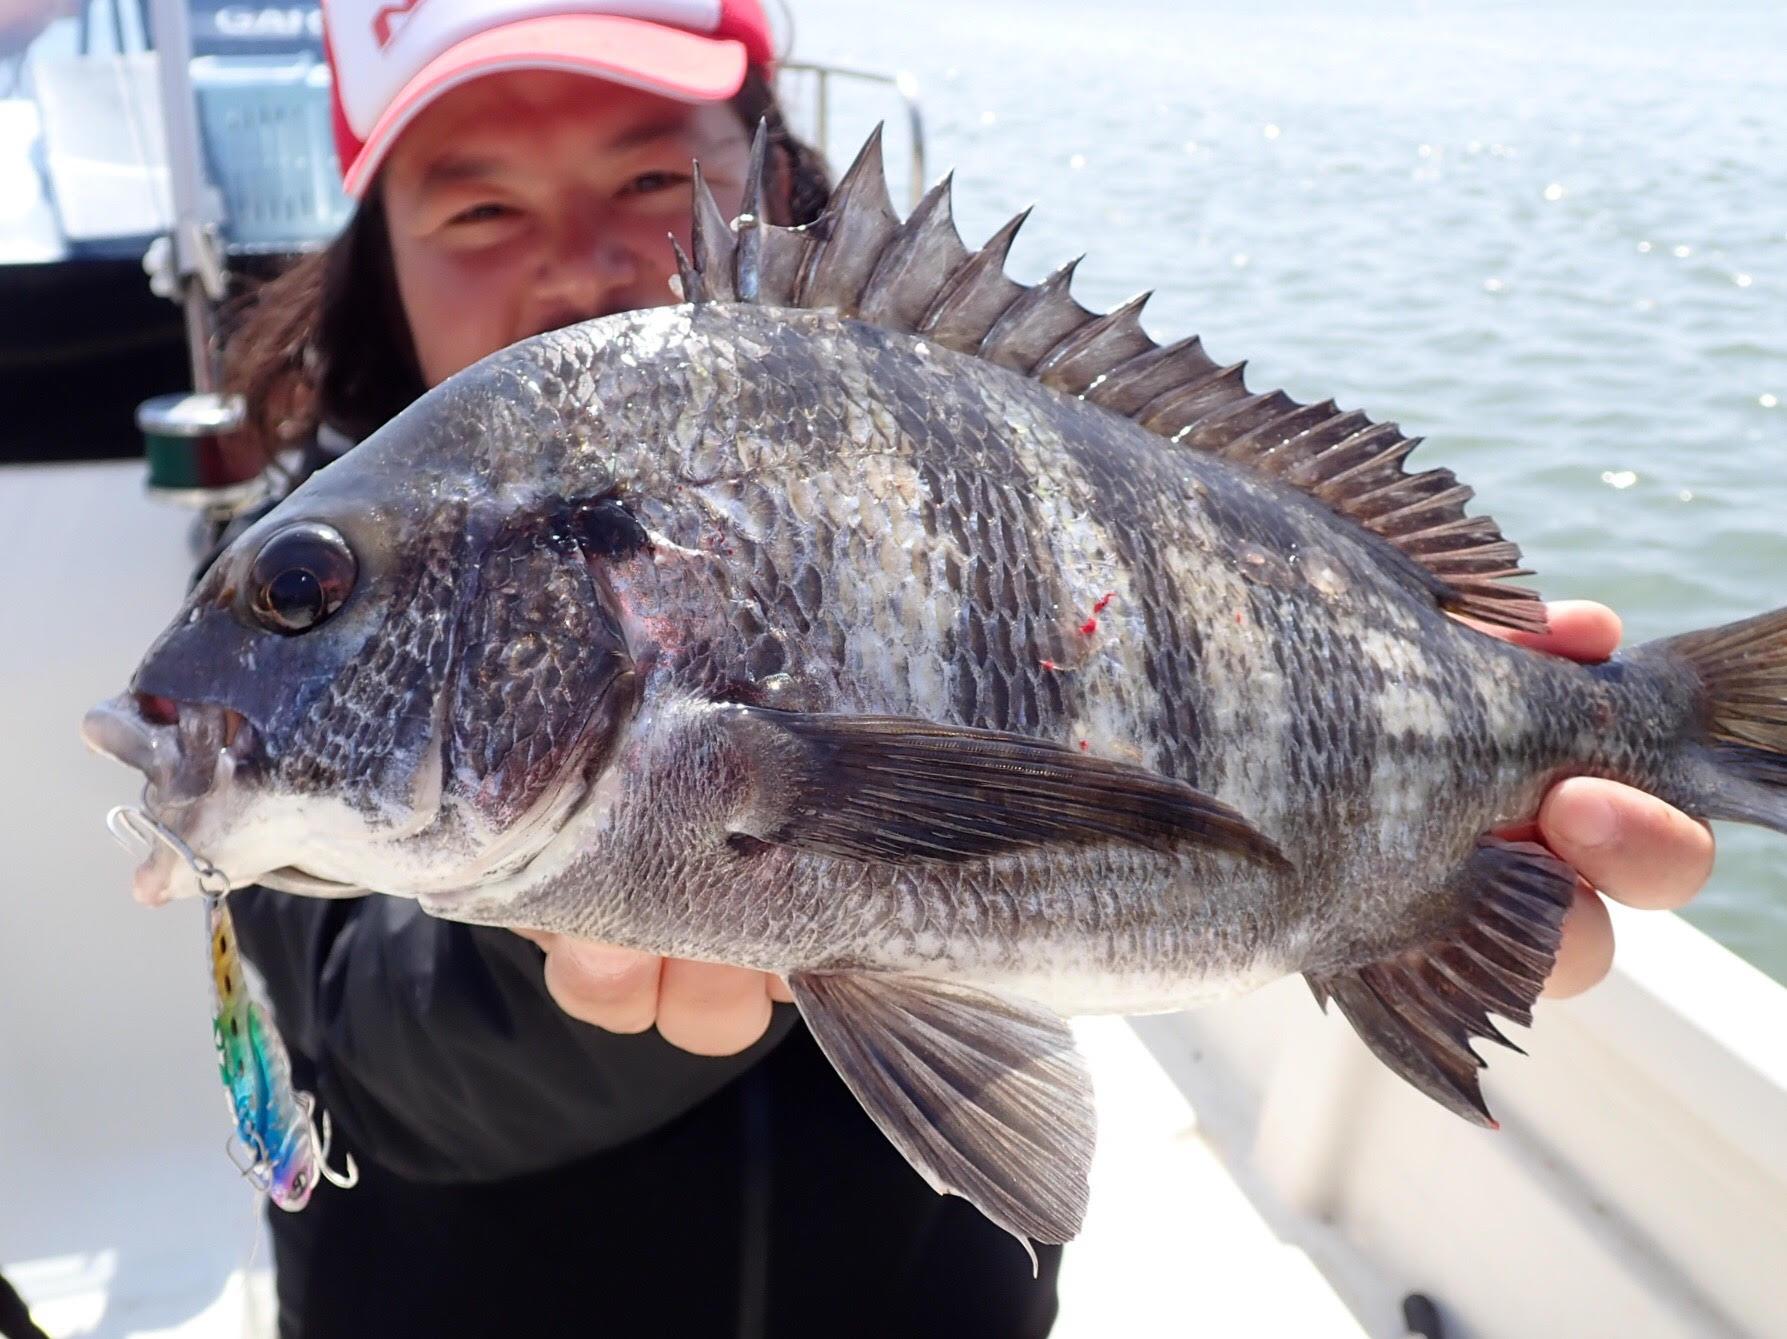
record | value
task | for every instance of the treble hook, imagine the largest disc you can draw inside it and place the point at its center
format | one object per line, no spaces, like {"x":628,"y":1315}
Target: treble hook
{"x":137,"y":832}
{"x":340,"y":1180}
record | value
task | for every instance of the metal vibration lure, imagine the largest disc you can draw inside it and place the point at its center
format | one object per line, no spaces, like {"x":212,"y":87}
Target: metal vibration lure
{"x":275,"y":1123}
{"x":282,"y":1151}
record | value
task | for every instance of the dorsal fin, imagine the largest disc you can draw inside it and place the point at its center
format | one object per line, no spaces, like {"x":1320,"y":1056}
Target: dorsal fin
{"x":916,"y":276}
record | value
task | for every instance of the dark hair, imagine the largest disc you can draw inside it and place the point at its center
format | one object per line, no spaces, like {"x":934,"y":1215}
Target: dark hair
{"x":325,"y":341}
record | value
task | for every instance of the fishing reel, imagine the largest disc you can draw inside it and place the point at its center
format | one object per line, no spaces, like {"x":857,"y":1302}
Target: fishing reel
{"x":194,"y":459}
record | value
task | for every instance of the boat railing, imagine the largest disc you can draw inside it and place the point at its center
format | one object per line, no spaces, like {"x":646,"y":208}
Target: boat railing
{"x":903,"y":84}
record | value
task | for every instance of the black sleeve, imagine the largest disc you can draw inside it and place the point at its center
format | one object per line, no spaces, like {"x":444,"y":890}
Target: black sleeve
{"x":436,"y":1049}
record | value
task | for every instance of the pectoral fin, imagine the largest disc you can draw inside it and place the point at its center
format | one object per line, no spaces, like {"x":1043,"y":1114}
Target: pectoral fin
{"x":891,"y":788}
{"x":985,"y":1096}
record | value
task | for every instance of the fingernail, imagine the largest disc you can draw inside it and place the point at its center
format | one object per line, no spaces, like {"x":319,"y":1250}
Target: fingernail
{"x":1593,"y":824}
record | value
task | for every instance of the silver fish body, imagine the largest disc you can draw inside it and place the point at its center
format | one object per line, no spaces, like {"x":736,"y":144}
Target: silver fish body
{"x":924,"y":536}
{"x":955,"y":652}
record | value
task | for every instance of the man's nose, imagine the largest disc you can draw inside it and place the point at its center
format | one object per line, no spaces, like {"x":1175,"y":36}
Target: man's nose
{"x":587,"y":262}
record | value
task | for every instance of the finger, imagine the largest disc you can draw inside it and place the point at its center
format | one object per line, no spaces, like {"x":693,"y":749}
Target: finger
{"x":1586,"y":953}
{"x":1580,"y":630}
{"x":779,"y":992}
{"x":1630,"y":845}
{"x":614,"y":988}
{"x":710,"y":1009}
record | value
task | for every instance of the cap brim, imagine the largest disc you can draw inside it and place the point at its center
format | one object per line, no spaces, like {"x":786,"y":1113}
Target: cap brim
{"x":668,"y":61}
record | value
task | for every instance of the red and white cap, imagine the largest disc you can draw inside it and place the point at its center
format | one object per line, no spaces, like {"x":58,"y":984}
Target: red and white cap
{"x":391,"y":58}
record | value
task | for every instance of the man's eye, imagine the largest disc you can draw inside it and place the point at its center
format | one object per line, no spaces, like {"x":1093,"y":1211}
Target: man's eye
{"x":648,"y":183}
{"x":481,"y":213}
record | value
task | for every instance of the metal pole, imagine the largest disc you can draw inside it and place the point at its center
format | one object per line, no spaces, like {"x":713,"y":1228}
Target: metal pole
{"x":194,"y":264}
{"x":907,"y":84}
{"x":904,"y":83}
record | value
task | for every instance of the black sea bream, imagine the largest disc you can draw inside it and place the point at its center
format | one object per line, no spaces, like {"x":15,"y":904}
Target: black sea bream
{"x":960,"y":654}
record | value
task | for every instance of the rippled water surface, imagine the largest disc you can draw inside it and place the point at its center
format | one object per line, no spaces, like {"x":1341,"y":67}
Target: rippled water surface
{"x":1551,"y":240}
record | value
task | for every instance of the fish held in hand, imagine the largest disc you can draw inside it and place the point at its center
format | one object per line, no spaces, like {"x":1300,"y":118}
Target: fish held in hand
{"x":954,"y":651}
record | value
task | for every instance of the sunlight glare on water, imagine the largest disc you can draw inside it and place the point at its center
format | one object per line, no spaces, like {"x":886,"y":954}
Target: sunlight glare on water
{"x":1550,"y":239}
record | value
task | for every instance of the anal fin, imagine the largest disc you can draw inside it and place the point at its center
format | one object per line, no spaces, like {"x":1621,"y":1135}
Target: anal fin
{"x":985,"y":1095}
{"x":1419,"y":1011}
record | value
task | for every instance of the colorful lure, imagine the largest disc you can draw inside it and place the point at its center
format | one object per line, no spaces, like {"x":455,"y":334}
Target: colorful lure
{"x":275,"y":1123}
{"x":283,"y":1154}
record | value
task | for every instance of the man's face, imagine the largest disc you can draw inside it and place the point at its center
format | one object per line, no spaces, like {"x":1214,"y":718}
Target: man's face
{"x":523,"y":202}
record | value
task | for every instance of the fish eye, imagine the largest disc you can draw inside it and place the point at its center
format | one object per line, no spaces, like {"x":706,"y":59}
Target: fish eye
{"x":301,"y":575}
{"x":606,"y":526}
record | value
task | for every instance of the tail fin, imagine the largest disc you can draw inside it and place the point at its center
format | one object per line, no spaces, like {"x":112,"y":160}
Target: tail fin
{"x":1742,"y":671}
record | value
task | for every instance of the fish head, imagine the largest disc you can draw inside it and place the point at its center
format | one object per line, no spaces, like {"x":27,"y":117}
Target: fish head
{"x":392,"y":681}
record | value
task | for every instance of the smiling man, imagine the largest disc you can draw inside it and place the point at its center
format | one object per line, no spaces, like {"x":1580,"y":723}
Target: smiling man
{"x":496,"y":236}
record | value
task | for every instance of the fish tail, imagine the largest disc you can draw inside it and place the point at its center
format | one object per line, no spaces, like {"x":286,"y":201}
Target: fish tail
{"x":1737,"y":676}
{"x":1722,"y":693}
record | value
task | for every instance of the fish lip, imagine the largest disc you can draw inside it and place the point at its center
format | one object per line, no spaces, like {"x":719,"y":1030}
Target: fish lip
{"x":177,"y":746}
{"x":189,"y":754}
{"x":169,"y":866}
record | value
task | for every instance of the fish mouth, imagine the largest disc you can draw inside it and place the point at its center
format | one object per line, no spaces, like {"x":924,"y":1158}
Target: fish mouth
{"x":188,"y":754}
{"x":177,"y":746}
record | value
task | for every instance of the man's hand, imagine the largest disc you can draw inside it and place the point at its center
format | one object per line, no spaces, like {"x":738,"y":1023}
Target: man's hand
{"x":1630,"y":845}
{"x":700,"y":1006}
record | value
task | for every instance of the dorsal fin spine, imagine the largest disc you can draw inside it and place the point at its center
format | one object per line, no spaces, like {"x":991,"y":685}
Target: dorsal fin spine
{"x":1040,"y":318}
{"x":1126,"y":388}
{"x":1176,"y":413}
{"x":1265,"y":440}
{"x":1399,"y":519}
{"x":750,"y":201}
{"x":1379,"y":449}
{"x":859,"y":221}
{"x":1116,"y":335}
{"x":687,"y":276}
{"x":926,"y":251}
{"x":1258,"y":409}
{"x":748,"y":260}
{"x":1334,"y":431}
{"x":1406,"y":491}
{"x":712,"y":242}
{"x":976,"y":295}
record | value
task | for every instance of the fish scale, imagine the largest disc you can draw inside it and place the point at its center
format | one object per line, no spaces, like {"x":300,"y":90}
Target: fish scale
{"x":952,"y":650}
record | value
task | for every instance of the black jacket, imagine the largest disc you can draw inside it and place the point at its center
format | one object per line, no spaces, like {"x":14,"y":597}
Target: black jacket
{"x":526,"y":1174}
